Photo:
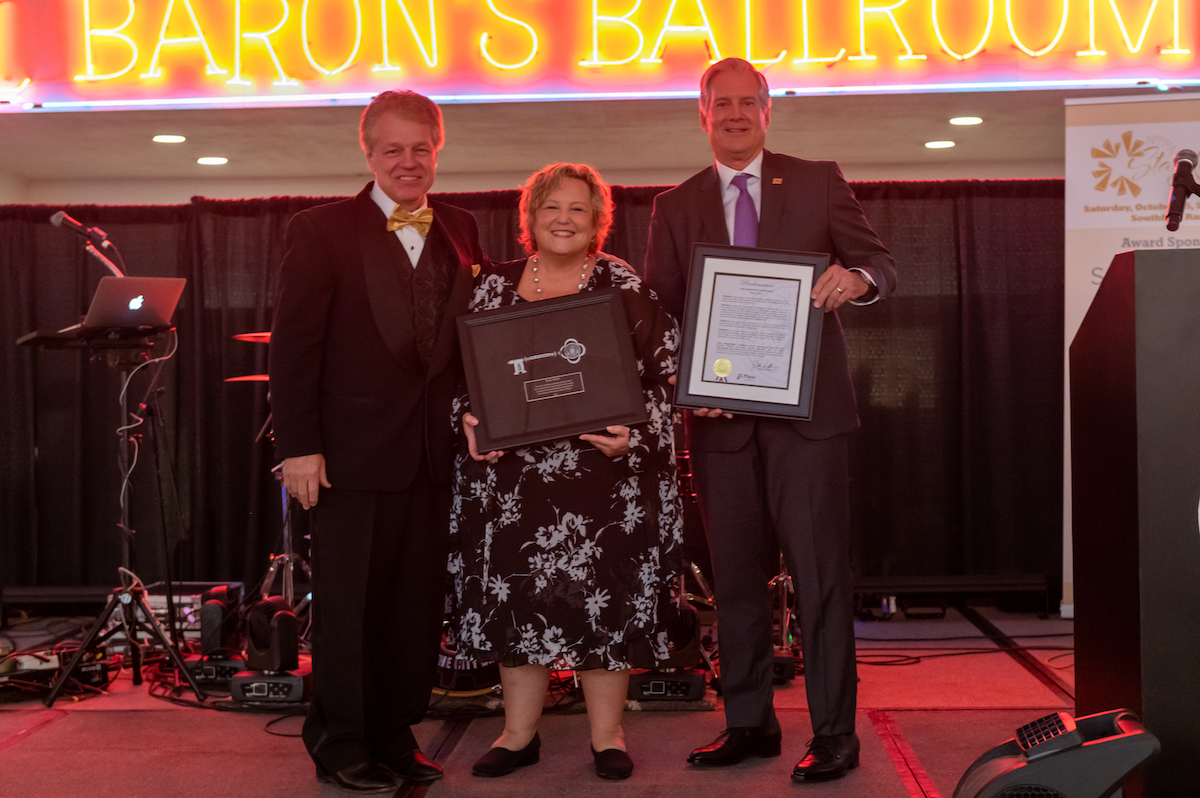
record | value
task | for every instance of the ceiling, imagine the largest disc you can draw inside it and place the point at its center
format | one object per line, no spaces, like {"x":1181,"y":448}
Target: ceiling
{"x":632,"y":141}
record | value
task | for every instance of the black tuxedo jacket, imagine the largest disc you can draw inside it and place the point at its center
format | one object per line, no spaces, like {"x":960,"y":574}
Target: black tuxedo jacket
{"x":806,"y":206}
{"x":346,"y":379}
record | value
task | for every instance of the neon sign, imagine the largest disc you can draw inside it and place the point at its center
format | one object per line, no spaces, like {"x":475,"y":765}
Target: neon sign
{"x":78,"y":54}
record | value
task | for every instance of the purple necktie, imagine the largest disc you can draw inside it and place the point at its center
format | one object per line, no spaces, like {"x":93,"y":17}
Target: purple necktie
{"x":745,"y":220}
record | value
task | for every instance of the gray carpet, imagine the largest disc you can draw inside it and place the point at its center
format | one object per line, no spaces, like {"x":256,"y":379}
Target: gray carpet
{"x":947,"y":743}
{"x":659,"y":744}
{"x":139,"y":754}
{"x":921,"y":726}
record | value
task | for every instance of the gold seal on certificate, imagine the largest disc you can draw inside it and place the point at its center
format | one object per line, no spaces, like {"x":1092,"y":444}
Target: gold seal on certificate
{"x":722,"y":367}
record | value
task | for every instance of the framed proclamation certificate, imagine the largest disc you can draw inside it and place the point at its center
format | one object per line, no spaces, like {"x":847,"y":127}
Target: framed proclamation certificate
{"x":750,"y":332}
{"x":538,"y":371}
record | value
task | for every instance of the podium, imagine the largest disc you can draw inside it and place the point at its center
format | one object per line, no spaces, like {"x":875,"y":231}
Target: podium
{"x":1135,"y":462}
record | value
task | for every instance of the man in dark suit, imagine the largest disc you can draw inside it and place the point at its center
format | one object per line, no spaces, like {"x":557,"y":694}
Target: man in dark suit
{"x":364,"y":365}
{"x":767,"y":484}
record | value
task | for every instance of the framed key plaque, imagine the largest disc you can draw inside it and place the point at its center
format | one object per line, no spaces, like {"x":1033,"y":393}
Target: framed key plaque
{"x":538,"y":371}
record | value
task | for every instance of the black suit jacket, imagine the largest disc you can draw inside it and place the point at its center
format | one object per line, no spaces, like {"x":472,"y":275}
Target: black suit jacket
{"x":806,"y":206}
{"x":346,"y":378}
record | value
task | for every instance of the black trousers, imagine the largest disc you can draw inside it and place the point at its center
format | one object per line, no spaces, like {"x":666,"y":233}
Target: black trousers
{"x":379,"y":575}
{"x":781,"y":491}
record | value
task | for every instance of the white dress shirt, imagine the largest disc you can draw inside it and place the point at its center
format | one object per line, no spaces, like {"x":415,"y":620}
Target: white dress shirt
{"x":729,"y":192}
{"x":729,"y":196}
{"x":413,"y":242}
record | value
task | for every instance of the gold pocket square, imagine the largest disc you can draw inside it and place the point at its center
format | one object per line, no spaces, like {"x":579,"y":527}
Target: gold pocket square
{"x":474,"y":269}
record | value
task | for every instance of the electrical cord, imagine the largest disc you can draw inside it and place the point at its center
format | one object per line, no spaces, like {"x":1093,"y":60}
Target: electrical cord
{"x":73,"y":688}
{"x":959,"y":637}
{"x":269,"y":730}
{"x":122,"y":431}
{"x":884,"y":658}
{"x":174,"y":344}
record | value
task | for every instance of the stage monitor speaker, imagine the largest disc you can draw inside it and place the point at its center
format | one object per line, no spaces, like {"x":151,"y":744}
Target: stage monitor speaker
{"x":219,"y":622}
{"x":272,"y":636}
{"x":1060,"y":757}
{"x":1135,"y":473}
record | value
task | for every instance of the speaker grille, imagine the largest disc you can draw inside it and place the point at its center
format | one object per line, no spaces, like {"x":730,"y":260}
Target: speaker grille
{"x":1030,"y":791}
{"x":1041,"y":730}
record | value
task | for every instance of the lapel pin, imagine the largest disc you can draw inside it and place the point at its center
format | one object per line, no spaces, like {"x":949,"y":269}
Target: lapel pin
{"x":777,"y":181}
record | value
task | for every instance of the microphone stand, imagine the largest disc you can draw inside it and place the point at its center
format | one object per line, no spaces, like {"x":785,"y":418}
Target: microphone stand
{"x":94,"y":236}
{"x":129,"y":600}
{"x":108,"y":264}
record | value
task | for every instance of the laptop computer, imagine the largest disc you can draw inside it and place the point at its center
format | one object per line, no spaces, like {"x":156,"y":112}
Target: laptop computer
{"x":133,"y":302}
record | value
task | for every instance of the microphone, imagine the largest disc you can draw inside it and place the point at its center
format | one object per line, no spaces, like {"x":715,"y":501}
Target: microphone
{"x":1182,"y":185}
{"x":98,"y":236}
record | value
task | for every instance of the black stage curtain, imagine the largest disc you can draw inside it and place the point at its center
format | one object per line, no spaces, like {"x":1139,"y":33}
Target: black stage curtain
{"x":957,"y":470}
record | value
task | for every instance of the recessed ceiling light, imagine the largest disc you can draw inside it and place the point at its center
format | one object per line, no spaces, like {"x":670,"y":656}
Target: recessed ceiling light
{"x":169,"y":139}
{"x":939,"y":145}
{"x":212,"y":161}
{"x":966,"y":120}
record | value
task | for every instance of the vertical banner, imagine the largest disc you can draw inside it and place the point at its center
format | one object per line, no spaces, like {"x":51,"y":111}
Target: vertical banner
{"x":1119,"y":165}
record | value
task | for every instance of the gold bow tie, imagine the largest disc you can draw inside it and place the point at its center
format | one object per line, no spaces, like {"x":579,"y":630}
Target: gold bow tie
{"x":422,"y":220}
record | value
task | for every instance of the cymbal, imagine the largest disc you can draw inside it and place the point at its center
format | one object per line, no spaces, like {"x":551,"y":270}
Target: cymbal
{"x":248,"y":378}
{"x":254,"y":337}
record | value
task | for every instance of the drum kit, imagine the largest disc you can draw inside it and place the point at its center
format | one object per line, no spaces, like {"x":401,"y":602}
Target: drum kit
{"x":286,"y":562}
{"x":253,"y":338}
{"x":458,"y":675}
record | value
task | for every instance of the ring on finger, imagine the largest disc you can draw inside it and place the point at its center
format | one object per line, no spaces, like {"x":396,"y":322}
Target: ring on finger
{"x":840,"y":290}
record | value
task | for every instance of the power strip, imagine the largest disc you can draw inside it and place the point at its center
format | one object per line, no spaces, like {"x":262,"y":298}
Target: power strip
{"x":29,"y":662}
{"x":214,"y":672}
{"x":259,"y":687}
{"x":680,"y":685}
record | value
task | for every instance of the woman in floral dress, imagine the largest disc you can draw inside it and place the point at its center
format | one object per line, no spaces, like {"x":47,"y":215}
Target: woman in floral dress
{"x":564,"y":553}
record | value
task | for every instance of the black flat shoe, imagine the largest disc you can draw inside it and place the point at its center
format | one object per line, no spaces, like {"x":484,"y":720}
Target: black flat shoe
{"x":612,"y":763}
{"x":414,"y":766}
{"x":363,"y":778}
{"x":828,"y":757}
{"x":501,"y":761}
{"x":739,"y":742}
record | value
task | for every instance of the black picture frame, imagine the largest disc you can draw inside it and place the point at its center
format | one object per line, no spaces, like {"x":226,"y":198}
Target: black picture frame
{"x":540,"y":371}
{"x":741,"y":303}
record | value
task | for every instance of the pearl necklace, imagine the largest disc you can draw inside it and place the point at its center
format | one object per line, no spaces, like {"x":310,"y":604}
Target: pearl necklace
{"x":582,"y":275}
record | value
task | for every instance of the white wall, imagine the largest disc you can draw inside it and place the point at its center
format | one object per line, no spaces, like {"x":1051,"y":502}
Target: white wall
{"x":965,"y":170}
{"x":179,"y":191}
{"x":12,"y":189}
{"x":156,"y":191}
{"x":167,"y":191}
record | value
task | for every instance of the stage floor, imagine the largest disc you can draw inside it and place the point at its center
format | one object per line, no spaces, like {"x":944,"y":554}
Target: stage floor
{"x":933,"y":696}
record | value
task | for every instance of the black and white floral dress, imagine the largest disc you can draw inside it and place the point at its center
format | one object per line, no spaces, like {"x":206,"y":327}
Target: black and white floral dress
{"x":561,"y":556}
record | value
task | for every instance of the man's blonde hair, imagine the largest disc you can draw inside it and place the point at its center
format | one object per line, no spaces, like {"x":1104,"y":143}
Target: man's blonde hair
{"x":407,"y":105}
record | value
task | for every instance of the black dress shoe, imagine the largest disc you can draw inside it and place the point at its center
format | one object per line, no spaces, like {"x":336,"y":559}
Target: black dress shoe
{"x":738,"y":742}
{"x":363,"y":777}
{"x":414,"y":766}
{"x":828,"y":757}
{"x":612,"y":763}
{"x":501,"y":761}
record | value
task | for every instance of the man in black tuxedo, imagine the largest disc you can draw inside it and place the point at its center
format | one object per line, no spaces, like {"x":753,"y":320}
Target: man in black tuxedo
{"x":364,"y":365}
{"x":767,"y":484}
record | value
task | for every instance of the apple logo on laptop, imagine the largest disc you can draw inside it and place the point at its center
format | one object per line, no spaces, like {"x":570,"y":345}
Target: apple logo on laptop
{"x":136,"y":302}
